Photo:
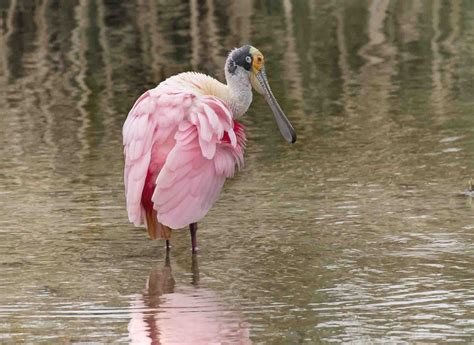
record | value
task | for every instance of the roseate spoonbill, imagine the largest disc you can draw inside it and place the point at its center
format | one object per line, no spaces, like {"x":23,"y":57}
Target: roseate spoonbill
{"x":181,"y":141}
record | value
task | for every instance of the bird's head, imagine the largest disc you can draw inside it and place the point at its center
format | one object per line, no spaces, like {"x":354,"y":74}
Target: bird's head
{"x":248,"y":61}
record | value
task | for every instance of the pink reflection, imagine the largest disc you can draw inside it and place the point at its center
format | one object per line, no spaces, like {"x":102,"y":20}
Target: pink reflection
{"x":167,"y":313}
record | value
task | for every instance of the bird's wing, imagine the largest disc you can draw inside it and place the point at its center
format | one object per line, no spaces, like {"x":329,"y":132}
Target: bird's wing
{"x":195,"y":169}
{"x":150,"y":123}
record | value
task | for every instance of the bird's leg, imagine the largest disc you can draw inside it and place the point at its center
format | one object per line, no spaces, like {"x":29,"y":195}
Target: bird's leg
{"x":195,"y":270}
{"x":193,"y":229}
{"x":167,"y":259}
{"x":167,"y":245}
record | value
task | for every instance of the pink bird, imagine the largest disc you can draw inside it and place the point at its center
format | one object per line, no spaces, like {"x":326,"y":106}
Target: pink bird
{"x":181,"y":141}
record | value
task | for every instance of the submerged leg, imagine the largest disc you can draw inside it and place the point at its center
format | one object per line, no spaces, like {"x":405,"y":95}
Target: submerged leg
{"x":167,"y":245}
{"x":167,"y":259}
{"x":193,"y":229}
{"x":195,"y":270}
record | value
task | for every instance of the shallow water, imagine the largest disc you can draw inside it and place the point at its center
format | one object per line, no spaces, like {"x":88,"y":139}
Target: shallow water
{"x":358,"y":232}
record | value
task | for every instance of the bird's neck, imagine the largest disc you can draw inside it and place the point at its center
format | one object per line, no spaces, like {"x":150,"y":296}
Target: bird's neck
{"x":239,"y":94}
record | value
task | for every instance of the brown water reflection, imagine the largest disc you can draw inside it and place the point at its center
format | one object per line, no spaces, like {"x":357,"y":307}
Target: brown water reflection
{"x":359,"y":232}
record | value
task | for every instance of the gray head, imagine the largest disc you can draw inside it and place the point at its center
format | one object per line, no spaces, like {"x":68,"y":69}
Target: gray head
{"x":239,"y":57}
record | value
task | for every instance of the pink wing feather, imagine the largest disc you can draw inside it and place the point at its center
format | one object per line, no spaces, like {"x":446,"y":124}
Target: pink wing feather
{"x":197,"y":166}
{"x":187,"y":144}
{"x":137,"y":140}
{"x":147,"y":139}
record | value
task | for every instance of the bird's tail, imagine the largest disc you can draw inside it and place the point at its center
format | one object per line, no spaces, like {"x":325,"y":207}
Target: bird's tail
{"x":156,"y":230}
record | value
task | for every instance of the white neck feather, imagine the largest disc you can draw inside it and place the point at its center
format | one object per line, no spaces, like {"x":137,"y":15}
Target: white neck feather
{"x":237,"y":93}
{"x":240,"y":91}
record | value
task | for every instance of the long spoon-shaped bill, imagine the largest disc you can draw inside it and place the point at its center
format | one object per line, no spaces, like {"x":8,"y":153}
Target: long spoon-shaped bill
{"x":282,"y":121}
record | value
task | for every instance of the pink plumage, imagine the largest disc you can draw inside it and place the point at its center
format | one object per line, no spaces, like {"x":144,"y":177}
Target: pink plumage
{"x":181,"y":142}
{"x":180,"y":145}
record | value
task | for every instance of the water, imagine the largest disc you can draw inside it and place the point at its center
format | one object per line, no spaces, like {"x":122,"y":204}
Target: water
{"x":358,"y":232}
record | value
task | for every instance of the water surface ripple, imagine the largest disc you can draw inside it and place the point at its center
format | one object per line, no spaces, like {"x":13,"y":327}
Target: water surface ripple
{"x":360,"y":232}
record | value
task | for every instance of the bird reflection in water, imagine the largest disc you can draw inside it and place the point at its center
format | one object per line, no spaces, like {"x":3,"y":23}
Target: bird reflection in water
{"x":171,"y":313}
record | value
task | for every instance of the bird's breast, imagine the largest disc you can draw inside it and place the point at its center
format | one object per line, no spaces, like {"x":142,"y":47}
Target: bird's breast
{"x":239,"y":130}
